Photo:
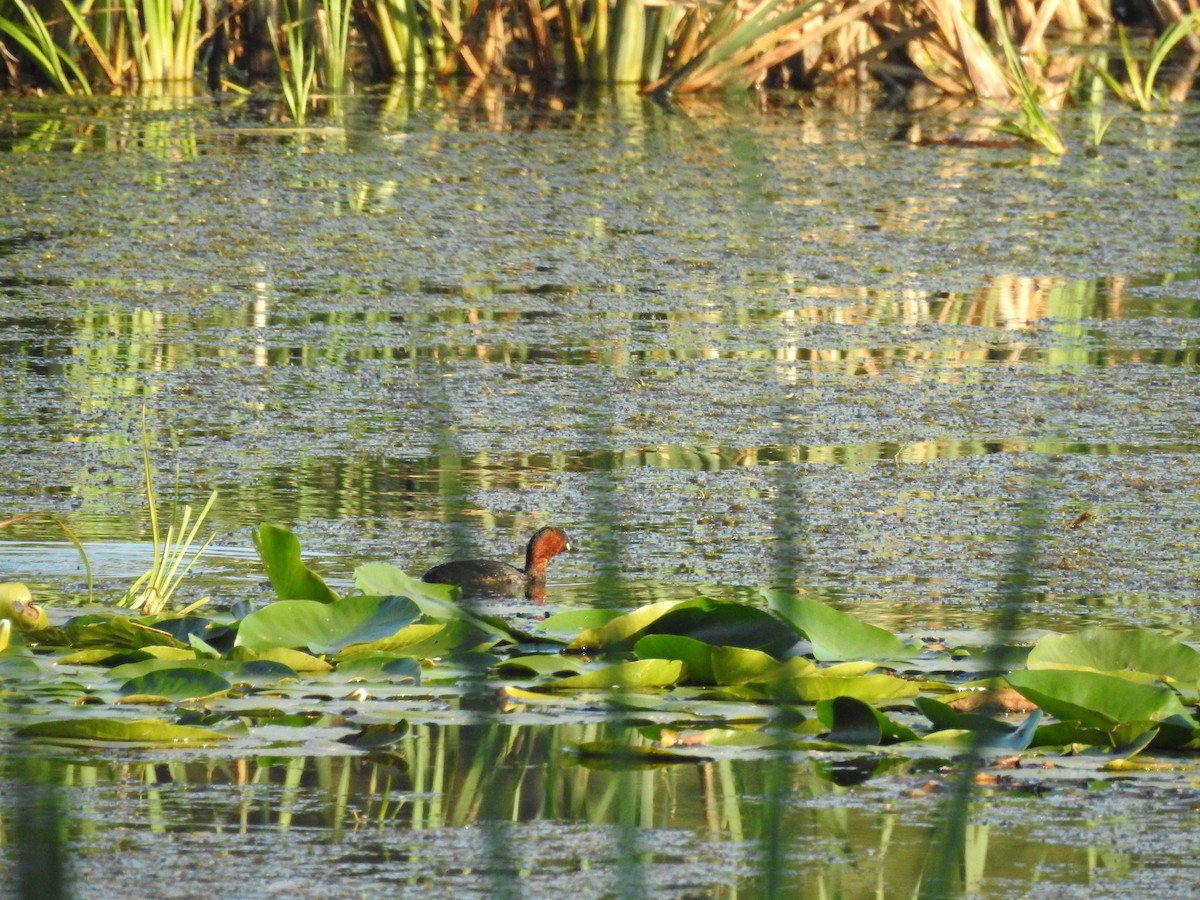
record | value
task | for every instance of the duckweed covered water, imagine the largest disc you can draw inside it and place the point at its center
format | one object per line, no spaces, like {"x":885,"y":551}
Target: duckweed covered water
{"x":427,"y":329}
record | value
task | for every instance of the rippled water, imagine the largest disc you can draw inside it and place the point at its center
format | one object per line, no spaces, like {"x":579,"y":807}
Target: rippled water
{"x":721,"y":347}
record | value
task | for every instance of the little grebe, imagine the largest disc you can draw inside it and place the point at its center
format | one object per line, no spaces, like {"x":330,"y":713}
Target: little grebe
{"x":492,"y":577}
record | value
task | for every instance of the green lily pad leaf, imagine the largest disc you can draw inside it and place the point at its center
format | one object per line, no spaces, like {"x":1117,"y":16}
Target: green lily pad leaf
{"x":428,"y":641}
{"x":811,"y":689}
{"x":134,"y":670}
{"x":81,"y":731}
{"x":853,"y":722}
{"x":716,"y":622}
{"x":618,"y":755}
{"x":100,"y":656}
{"x":173,"y":654}
{"x":325,"y":627}
{"x":182,"y":683}
{"x":642,"y":674}
{"x":946,"y":717}
{"x":540,"y":664}
{"x":381,"y":667}
{"x":1063,"y":734}
{"x":436,"y":601}
{"x":838,"y":635}
{"x":202,"y":648}
{"x":623,"y":631}
{"x":179,"y":627}
{"x":1105,"y":701}
{"x":383,"y":580}
{"x":850,"y":721}
{"x":296,"y":660}
{"x":260,"y":672}
{"x":1118,"y":652}
{"x":291,"y":578}
{"x":705,"y":663}
{"x":117,"y":633}
{"x":564,"y":626}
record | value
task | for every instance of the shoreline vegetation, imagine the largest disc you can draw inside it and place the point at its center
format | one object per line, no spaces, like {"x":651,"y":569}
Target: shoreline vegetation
{"x":1026,"y":59}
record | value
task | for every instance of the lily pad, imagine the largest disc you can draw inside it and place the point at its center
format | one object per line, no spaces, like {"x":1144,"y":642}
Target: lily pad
{"x":1118,"y":652}
{"x":716,"y":622}
{"x":1105,"y":701}
{"x":852,"y":721}
{"x":181,"y":683}
{"x":325,"y":627}
{"x":838,"y":635}
{"x":291,"y":578}
{"x":705,"y":663}
{"x":642,"y":674}
{"x":84,"y":731}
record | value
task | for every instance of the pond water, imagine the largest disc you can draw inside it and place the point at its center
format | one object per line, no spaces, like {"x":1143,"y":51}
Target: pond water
{"x":722,"y":346}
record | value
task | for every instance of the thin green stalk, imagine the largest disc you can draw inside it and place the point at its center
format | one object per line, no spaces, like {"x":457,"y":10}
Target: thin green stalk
{"x":335,"y":35}
{"x":36,"y":40}
{"x":1034,"y":124}
{"x":154,"y":588}
{"x":296,"y":78}
{"x":1140,"y":90}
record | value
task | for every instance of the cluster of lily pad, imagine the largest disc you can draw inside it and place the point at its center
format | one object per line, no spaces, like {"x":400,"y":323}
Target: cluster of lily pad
{"x":701,"y":674}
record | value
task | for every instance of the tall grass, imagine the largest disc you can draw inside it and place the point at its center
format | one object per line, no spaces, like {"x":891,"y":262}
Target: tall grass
{"x":298,"y":65}
{"x":668,"y":47}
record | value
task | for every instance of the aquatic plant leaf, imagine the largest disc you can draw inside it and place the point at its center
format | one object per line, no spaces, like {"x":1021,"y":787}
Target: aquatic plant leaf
{"x":117,"y":633}
{"x":812,"y":688}
{"x":838,"y":635}
{"x":1118,"y":652}
{"x":260,"y":672}
{"x":623,"y":631}
{"x":101,"y":656}
{"x":85,"y":731}
{"x":297,"y":660}
{"x":180,"y":683}
{"x":381,"y":667}
{"x":945,"y":717}
{"x":292,"y":579}
{"x":540,"y":664}
{"x":182,"y":628}
{"x":383,"y":579}
{"x":641,"y":674}
{"x":705,"y":663}
{"x":325,"y":627}
{"x":1063,"y":734}
{"x":434,"y":600}
{"x":1105,"y":701}
{"x":852,"y":721}
{"x":716,"y":622}
{"x":132,"y":670}
{"x":396,"y":642}
{"x":429,"y":641}
{"x":564,"y":626}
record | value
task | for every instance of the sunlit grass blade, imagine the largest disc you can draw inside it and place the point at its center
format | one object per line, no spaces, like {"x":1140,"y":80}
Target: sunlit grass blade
{"x":151,"y":592}
{"x":296,"y":77}
{"x":36,"y":40}
{"x":1034,"y":124}
{"x":1139,"y":91}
